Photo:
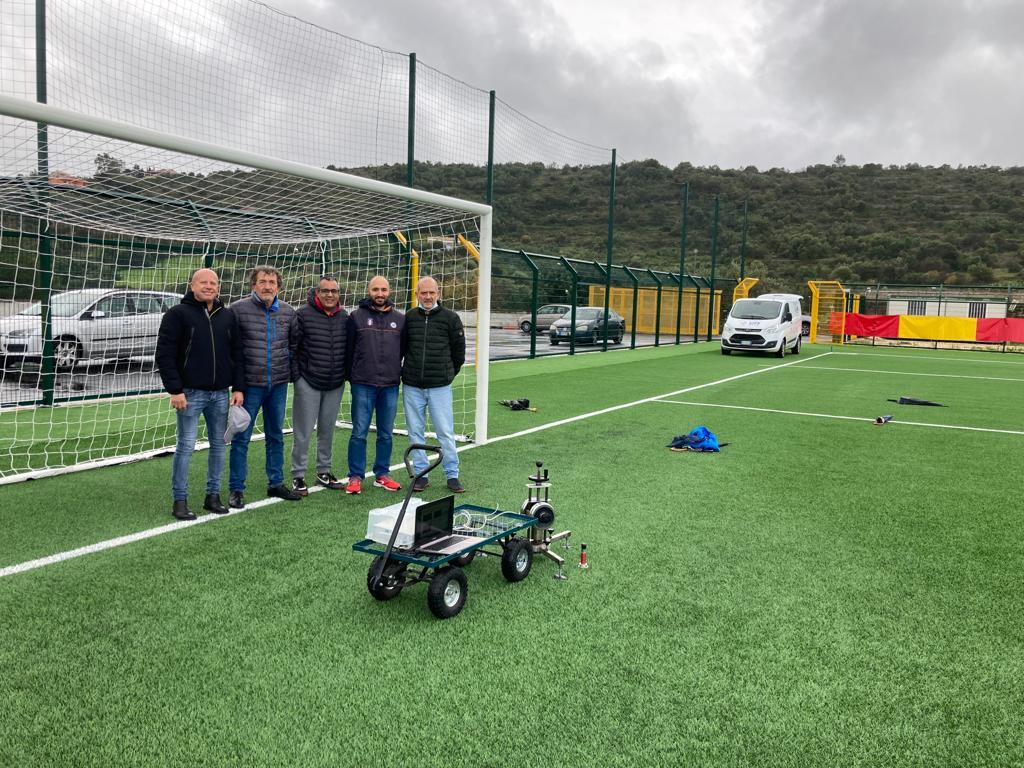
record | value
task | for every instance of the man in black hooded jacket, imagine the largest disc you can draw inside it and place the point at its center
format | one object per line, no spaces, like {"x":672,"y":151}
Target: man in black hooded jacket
{"x":199,"y":356}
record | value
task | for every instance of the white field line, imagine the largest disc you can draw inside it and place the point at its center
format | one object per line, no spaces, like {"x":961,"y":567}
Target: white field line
{"x":845,"y":418}
{"x":909,"y":373}
{"x":928,"y":358}
{"x":139,"y":536}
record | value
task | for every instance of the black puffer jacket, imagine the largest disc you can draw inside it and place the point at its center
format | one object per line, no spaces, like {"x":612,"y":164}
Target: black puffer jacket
{"x":434,"y":346}
{"x":318,"y":343}
{"x":265,"y":336}
{"x":196,"y":349}
{"x":375,"y":345}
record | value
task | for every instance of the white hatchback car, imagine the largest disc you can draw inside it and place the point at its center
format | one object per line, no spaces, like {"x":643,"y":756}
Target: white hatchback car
{"x":88,"y":324}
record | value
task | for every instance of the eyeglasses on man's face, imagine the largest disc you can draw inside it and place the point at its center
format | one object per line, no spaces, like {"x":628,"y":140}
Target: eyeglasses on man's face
{"x":329,"y":291}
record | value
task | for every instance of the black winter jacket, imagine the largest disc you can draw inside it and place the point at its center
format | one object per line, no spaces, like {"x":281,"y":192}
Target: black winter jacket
{"x":196,"y":349}
{"x":265,"y":336}
{"x":374,"y":346}
{"x":318,"y":343}
{"x":434,"y":345}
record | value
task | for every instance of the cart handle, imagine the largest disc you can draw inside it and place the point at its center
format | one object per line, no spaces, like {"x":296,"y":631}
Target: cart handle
{"x":405,"y":504}
{"x":430,"y":467}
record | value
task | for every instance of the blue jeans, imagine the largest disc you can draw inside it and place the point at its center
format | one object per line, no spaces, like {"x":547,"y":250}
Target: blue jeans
{"x":213,"y":406}
{"x":437,"y":400}
{"x":272,"y":400}
{"x":365,"y":400}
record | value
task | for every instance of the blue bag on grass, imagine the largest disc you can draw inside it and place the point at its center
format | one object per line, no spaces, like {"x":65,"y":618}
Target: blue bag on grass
{"x":699,"y":439}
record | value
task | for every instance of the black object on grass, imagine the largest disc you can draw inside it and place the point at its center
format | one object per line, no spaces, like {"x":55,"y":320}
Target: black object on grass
{"x":521,"y":404}
{"x":915,"y":401}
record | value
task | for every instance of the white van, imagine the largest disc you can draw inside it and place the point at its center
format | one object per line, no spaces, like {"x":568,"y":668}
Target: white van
{"x":769,"y":323}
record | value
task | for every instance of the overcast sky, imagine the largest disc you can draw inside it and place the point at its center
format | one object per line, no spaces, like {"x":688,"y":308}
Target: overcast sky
{"x":773,"y":83}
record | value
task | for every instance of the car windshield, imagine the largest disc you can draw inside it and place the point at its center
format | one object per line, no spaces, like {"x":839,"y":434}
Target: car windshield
{"x":753,"y":309}
{"x":63,"y":304}
{"x":587,"y":314}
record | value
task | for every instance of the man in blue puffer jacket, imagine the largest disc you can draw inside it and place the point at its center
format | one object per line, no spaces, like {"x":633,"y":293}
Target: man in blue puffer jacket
{"x":265,"y":323}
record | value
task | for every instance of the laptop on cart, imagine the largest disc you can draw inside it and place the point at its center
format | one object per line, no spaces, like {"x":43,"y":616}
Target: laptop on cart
{"x":434,"y":525}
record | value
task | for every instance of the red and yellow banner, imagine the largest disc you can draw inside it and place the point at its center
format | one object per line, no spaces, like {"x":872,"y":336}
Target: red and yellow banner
{"x":935,"y":328}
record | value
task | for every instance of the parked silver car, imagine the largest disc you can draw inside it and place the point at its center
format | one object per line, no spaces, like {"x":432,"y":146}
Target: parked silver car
{"x":546,"y":315}
{"x":89,"y":324}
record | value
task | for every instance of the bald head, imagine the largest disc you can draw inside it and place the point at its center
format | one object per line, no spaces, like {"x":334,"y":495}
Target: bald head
{"x":205,"y":286}
{"x":379,"y":290}
{"x":427,"y":292}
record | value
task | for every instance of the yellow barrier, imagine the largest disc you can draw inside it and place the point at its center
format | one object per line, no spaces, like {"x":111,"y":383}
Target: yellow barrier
{"x":742,"y":289}
{"x":647,"y":308}
{"x":414,"y":267}
{"x":828,"y":310}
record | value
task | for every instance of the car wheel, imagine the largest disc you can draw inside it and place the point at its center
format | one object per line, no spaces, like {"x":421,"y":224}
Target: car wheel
{"x":554,"y":342}
{"x":782,"y":348}
{"x":726,"y":351}
{"x":796,"y":347}
{"x":805,"y":329}
{"x":525,"y":326}
{"x":66,"y":353}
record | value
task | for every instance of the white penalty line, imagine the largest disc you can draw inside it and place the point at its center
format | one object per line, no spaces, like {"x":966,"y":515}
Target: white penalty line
{"x":844,"y":418}
{"x":150,"y":533}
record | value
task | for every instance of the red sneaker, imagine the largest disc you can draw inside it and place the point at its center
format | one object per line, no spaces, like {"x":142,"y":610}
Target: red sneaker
{"x":387,"y":483}
{"x":355,"y":485}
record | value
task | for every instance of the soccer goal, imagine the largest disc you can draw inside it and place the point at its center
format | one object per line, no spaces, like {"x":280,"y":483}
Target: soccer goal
{"x":102,"y":226}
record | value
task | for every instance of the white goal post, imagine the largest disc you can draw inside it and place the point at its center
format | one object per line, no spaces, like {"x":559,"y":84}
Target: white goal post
{"x":307,"y":217}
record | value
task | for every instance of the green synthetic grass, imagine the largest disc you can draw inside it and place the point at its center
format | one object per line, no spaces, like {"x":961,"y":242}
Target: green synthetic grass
{"x":823,"y":592}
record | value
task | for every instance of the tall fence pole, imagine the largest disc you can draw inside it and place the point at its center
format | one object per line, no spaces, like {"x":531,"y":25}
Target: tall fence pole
{"x":411,"y":141}
{"x":44,"y":274}
{"x":490,"y":153}
{"x":610,"y":250}
{"x":682,"y":260}
{"x":714,"y":257}
{"x":743,"y":243}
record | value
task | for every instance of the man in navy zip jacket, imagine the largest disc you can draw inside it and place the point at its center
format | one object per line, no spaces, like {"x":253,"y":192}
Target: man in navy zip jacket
{"x":199,"y":355}
{"x":374,"y":356}
{"x":266,"y":323}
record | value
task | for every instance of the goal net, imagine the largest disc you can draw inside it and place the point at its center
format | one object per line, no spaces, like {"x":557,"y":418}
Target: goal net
{"x":102,"y":227}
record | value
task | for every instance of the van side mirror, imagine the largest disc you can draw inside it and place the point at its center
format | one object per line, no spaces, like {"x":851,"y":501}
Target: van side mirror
{"x":787,"y":317}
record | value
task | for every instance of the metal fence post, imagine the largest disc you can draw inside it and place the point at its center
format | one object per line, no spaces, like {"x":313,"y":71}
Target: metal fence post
{"x":682,"y":260}
{"x":714,"y":257}
{"x":610,"y":247}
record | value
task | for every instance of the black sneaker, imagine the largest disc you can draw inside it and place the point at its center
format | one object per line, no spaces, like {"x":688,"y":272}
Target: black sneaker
{"x":327,"y":480}
{"x":235,"y":500}
{"x":283,"y":492}
{"x":455,"y":486}
{"x":420,"y":484}
{"x":181,"y":511}
{"x":299,"y":486}
{"x":212,"y":503}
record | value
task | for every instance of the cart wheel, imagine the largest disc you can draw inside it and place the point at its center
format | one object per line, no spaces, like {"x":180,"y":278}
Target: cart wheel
{"x":391,"y":580}
{"x":516,"y":560}
{"x":463,"y":560}
{"x":446,"y":594}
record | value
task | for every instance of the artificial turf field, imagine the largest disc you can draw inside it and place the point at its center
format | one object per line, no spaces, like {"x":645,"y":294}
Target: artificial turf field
{"x":822,"y":592}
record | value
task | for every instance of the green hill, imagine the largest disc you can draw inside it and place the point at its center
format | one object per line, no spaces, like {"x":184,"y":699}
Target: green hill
{"x":905,"y":224}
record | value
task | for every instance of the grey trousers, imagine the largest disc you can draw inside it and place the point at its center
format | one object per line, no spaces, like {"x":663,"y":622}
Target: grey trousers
{"x":313,"y":406}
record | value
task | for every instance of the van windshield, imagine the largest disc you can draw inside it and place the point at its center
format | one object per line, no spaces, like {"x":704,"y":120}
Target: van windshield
{"x":754,"y":309}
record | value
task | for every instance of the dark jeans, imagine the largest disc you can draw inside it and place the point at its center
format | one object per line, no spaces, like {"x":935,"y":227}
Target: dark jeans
{"x":272,"y":400}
